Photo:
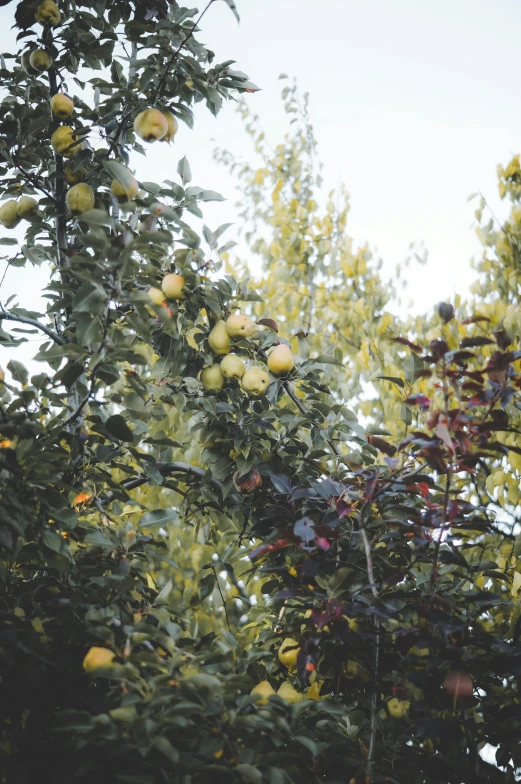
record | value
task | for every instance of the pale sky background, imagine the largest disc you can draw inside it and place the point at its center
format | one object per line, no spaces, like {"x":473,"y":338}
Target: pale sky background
{"x":413,"y":103}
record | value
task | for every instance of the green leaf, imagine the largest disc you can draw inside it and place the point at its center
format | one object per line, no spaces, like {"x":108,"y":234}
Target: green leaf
{"x":406,"y":415}
{"x":309,"y":744}
{"x":163,"y":593}
{"x":327,"y":359}
{"x":206,"y":585}
{"x":202,"y":195}
{"x":54,"y":541}
{"x":393,"y":379}
{"x":183,"y":169}
{"x":233,"y":8}
{"x":89,"y":299}
{"x":118,"y":428}
{"x":248,"y":772}
{"x":97,"y":218}
{"x":18,"y":371}
{"x":412,"y":366}
{"x":158,"y":517}
{"x":165,"y":747}
{"x":120,"y":173}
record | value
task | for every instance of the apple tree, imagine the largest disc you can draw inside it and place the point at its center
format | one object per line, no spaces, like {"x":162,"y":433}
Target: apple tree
{"x":210,"y":570}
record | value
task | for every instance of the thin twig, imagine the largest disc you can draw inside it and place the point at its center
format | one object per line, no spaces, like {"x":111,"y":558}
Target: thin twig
{"x":374,"y":695}
{"x":222,"y":597}
{"x":165,"y":469}
{"x":374,"y":703}
{"x":368,"y":558}
{"x":4,"y":314}
{"x":127,"y":115}
{"x":169,"y":64}
{"x":437,"y":545}
{"x":292,"y":395}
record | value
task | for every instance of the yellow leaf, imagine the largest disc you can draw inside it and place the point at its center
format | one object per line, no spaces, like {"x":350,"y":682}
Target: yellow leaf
{"x":516,"y":583}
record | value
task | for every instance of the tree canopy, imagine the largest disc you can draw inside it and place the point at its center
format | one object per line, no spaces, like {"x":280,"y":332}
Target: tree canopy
{"x":250,"y":530}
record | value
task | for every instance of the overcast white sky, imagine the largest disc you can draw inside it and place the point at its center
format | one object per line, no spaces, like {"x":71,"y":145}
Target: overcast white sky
{"x":413,"y":102}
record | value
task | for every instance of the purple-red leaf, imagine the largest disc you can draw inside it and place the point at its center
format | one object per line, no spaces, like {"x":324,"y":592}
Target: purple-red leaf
{"x":419,"y":400}
{"x":270,"y":547}
{"x":478,"y":340}
{"x":412,"y":346}
{"x":381,"y":445}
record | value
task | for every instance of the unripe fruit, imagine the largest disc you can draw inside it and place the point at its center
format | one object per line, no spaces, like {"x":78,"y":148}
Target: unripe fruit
{"x":9,"y":217}
{"x":151,"y":125}
{"x":219,"y":339}
{"x":265,"y":690}
{"x":65,"y":141}
{"x":72,"y":176}
{"x":122,"y":193}
{"x":288,"y":653}
{"x":26,"y":63}
{"x":289,"y":694}
{"x":26,"y":207}
{"x":97,"y":657}
{"x":80,"y":199}
{"x":48,"y":14}
{"x":398,"y":708}
{"x":232,"y":366}
{"x":247,"y":483}
{"x":173,"y":286}
{"x":212,"y":379}
{"x":40,"y":60}
{"x":238,"y":326}
{"x":255,"y":382}
{"x":61,"y":106}
{"x":173,"y":127}
{"x":281,"y":360}
{"x":156,"y":295}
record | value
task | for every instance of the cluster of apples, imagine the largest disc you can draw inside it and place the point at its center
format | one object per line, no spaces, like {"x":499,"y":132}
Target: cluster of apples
{"x":13,"y":211}
{"x":149,"y":125}
{"x":287,"y":655}
{"x":154,"y":125}
{"x":254,"y":380}
{"x":172,"y":287}
{"x":36,"y":61}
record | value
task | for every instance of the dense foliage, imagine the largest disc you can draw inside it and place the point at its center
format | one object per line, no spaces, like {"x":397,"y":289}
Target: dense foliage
{"x":165,"y":528}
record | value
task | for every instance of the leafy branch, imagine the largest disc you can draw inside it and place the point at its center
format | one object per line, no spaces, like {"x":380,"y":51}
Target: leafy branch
{"x":5,"y":314}
{"x":155,"y":94}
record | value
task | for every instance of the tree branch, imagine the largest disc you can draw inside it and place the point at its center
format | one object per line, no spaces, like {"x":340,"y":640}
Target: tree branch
{"x":374,"y":694}
{"x":4,"y":314}
{"x":175,"y":54}
{"x":437,"y":546}
{"x":222,"y":596}
{"x":127,"y":115}
{"x":292,"y":395}
{"x":166,"y":469}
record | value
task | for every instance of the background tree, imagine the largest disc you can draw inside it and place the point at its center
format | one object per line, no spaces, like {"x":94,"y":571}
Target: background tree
{"x":153,"y":487}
